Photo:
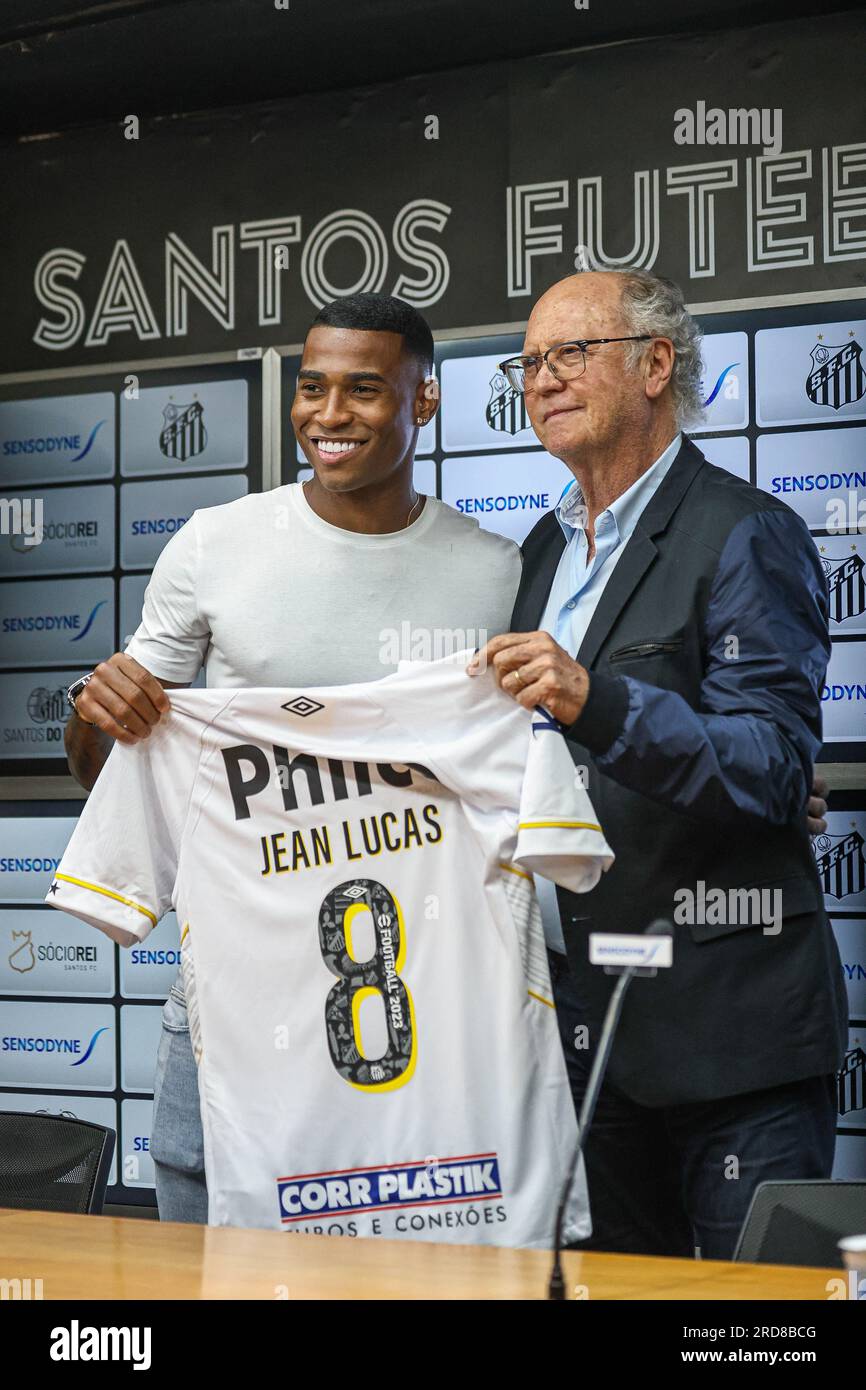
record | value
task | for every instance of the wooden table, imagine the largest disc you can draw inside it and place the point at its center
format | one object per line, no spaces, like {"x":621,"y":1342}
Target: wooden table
{"x":92,"y":1257}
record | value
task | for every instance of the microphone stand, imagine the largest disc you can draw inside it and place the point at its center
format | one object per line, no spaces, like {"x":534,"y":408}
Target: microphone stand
{"x":556,"y":1285}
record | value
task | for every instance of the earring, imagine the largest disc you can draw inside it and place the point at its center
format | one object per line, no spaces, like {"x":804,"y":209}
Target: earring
{"x":419,"y":420}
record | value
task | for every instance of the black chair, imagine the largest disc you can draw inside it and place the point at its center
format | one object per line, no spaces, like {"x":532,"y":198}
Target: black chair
{"x":53,"y":1162}
{"x":800,"y":1223}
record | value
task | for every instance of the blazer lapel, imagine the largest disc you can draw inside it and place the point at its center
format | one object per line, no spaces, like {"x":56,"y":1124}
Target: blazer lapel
{"x":632,"y":565}
{"x":640,"y":550}
{"x":535,"y":584}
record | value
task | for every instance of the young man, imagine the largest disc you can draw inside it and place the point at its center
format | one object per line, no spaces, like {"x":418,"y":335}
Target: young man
{"x":301,"y":586}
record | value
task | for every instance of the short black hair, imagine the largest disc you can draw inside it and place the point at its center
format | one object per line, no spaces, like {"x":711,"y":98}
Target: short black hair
{"x":381,"y":313}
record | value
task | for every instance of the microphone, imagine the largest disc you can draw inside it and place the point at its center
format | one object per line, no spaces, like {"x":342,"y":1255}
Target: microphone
{"x":556,"y":1285}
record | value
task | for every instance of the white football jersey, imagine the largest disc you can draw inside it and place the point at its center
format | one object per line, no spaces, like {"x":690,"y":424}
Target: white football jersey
{"x":368,"y":991}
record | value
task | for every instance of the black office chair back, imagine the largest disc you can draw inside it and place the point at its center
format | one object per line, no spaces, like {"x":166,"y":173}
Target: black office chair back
{"x":800,"y":1223}
{"x":53,"y":1162}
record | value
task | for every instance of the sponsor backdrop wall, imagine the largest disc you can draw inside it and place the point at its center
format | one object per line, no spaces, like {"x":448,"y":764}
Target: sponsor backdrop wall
{"x":119,"y":463}
{"x":185,"y":259}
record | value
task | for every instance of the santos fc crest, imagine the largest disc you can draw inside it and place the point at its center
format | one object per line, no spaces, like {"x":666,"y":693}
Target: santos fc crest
{"x":837,"y":377}
{"x":846,"y":584}
{"x":506,"y":409}
{"x":183,"y":434}
{"x":840,"y":863}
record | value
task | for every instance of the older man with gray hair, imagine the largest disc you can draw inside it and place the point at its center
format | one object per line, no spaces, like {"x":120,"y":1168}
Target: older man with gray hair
{"x":673,"y":619}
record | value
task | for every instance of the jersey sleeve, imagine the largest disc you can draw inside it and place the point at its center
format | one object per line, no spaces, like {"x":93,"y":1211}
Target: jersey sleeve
{"x":172,"y":639}
{"x":509,"y":764}
{"x":119,"y":869}
{"x":558,"y":834}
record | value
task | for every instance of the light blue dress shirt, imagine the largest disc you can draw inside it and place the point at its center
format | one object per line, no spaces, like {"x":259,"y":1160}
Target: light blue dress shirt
{"x":578,"y":586}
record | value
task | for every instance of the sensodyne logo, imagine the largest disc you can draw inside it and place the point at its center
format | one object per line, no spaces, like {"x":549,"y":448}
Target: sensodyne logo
{"x":54,"y":444}
{"x":60,"y":1046}
{"x":847,"y":692}
{"x":29,"y":864}
{"x":54,"y":622}
{"x":819,"y":482}
{"x":148,"y":955}
{"x":837,"y":377}
{"x":720,"y":381}
{"x":505,"y":502}
{"x":157,"y":525}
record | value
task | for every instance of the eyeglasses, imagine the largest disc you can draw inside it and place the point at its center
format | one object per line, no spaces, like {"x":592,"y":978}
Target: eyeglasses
{"x":565,"y":360}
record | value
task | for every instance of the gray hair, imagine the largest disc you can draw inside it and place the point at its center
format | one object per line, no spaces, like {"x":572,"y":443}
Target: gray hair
{"x":653,"y":304}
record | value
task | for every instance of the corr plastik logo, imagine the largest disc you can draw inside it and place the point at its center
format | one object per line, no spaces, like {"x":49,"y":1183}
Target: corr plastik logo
{"x":470,"y":1178}
{"x":77,"y":1343}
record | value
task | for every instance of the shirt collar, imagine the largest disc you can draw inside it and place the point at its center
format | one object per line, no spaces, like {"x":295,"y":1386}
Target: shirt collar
{"x":627,"y":508}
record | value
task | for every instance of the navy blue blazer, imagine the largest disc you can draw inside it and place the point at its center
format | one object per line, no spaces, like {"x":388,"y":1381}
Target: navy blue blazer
{"x":707,"y":654}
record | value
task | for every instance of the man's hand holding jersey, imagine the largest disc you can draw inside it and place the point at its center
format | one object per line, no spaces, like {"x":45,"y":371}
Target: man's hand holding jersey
{"x":122,"y":699}
{"x":535,"y":670}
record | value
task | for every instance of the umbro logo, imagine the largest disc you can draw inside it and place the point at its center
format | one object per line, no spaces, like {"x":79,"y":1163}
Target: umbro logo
{"x":302,"y":705}
{"x":357,"y":892}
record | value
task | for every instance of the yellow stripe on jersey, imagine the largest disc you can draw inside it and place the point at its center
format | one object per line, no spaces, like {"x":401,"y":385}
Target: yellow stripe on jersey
{"x":510,"y":869}
{"x":184,"y":933}
{"x":95,"y":888}
{"x":558,"y":825}
{"x":541,"y":999}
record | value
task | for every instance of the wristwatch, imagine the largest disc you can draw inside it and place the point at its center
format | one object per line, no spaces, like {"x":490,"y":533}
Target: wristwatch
{"x":74,"y":690}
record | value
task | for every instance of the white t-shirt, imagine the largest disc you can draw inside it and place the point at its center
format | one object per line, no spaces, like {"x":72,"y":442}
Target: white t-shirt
{"x":264,"y":592}
{"x":368,"y":991}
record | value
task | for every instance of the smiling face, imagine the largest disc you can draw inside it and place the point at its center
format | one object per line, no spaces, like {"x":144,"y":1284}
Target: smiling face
{"x":608,"y":400}
{"x":357,"y":397}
